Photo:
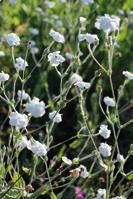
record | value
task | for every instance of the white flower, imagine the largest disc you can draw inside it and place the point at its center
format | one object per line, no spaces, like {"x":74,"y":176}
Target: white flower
{"x":23,"y":95}
{"x":3,"y":77}
{"x":75,"y":78}
{"x":120,"y":158}
{"x":2,"y":54}
{"x":105,"y":149}
{"x":82,"y":84}
{"x":38,"y":149}
{"x":82,"y":20}
{"x":86,"y":2}
{"x":18,"y":120}
{"x":101,"y":194}
{"x":104,"y":131}
{"x":57,"y":36}
{"x":109,"y":101}
{"x":82,"y":37}
{"x":55,"y":116}
{"x":24,"y":143}
{"x":34,"y":31}
{"x":12,"y":39}
{"x":128,"y":74}
{"x":90,"y":38}
{"x":66,"y":160}
{"x":21,"y":64}
{"x":84,"y":173}
{"x":107,"y":23}
{"x":50,"y":4}
{"x":36,"y":108}
{"x":55,"y":58}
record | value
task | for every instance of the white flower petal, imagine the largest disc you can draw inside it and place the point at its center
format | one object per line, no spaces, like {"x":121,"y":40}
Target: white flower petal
{"x":109,"y":101}
{"x":89,"y":38}
{"x":104,"y":131}
{"x":12,"y":39}
{"x":55,"y":58}
{"x":105,"y":149}
{"x":36,"y":108}
{"x":66,"y":160}
{"x":55,"y":116}
{"x":18,"y":120}
{"x":101,"y":194}
{"x":57,"y":36}
{"x":21,"y":64}
{"x":120,"y":158}
{"x":23,"y":143}
{"x":3,"y":77}
{"x":38,"y":149}
{"x":84,"y":173}
{"x":107,"y":23}
{"x":82,"y":85}
{"x":75,"y":78}
{"x":128,"y":74}
{"x":23,"y":95}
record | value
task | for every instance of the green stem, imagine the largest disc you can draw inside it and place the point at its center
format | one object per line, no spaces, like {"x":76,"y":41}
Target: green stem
{"x":85,"y":123}
{"x":33,"y":170}
{"x":107,"y":185}
{"x":45,"y":161}
{"x":103,"y":69}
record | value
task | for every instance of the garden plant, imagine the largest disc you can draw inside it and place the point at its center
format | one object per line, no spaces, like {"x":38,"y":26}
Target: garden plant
{"x":66,"y":107}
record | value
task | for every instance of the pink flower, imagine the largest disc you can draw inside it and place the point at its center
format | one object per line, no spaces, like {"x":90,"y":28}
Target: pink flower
{"x":130,"y":106}
{"x":78,"y":193}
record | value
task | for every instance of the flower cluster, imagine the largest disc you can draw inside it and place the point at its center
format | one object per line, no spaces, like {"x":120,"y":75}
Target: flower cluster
{"x":24,"y":109}
{"x":12,"y":39}
{"x":18,"y":120}
{"x":20,"y":64}
{"x":55,"y":58}
{"x":104,"y":131}
{"x":105,"y":149}
{"x":35,"y":146}
{"x":109,"y":101}
{"x":36,"y":108}
{"x":108,"y":23}
{"x":23,"y":95}
{"x":3,"y":77}
{"x":55,"y":116}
